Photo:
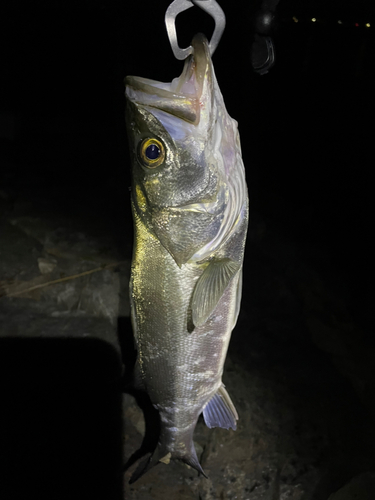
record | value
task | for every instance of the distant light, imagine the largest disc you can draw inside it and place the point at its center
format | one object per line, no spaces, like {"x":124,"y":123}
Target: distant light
{"x":356,"y":25}
{"x":339,"y":21}
{"x":313,"y":20}
{"x":295,"y":19}
{"x":368,"y":25}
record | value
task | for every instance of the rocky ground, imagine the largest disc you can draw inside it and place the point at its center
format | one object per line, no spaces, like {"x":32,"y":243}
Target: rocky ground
{"x":299,"y":369}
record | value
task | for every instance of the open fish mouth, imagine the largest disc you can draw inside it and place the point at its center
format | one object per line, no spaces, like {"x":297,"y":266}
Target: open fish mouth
{"x":181,"y":97}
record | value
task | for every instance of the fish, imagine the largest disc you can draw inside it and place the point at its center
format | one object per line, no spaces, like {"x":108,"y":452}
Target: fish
{"x":190,"y":212}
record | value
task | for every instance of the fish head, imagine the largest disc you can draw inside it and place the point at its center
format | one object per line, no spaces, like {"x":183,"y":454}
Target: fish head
{"x":179,"y":180}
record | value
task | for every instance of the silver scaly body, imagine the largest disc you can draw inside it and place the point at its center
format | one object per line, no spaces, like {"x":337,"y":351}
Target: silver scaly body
{"x":190,"y":209}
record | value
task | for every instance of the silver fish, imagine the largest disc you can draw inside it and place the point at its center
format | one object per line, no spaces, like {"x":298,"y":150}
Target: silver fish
{"x":190,"y":209}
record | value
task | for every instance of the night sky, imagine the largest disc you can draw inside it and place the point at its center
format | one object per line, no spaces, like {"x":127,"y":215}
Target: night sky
{"x":306,"y":126}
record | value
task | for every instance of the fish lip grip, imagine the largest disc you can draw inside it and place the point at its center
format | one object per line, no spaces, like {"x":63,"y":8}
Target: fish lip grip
{"x":211,"y":7}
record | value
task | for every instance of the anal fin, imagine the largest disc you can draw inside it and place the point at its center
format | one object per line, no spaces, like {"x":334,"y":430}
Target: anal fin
{"x":220,"y":411}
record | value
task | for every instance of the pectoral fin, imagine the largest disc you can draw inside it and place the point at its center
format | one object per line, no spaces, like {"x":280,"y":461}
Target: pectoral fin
{"x":210,"y":287}
{"x":220,"y":411}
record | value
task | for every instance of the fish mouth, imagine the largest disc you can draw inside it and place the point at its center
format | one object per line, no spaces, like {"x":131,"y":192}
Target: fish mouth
{"x":183,"y":97}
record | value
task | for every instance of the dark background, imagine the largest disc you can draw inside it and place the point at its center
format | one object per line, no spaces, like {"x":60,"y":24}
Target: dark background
{"x":306,"y":126}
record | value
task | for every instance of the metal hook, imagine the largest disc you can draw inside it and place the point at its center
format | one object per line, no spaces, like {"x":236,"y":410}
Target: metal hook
{"x":210,"y":6}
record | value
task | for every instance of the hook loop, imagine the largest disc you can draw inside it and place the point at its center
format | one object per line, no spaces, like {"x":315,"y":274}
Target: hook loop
{"x":210,"y":6}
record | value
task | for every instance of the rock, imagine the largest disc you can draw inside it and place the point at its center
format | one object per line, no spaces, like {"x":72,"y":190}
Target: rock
{"x":46,"y":266}
{"x":294,"y":358}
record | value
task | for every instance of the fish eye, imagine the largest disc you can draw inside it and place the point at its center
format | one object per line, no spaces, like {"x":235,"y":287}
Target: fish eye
{"x":151,"y":152}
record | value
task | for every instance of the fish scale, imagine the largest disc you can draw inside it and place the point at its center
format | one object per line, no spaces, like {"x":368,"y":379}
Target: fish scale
{"x":190,"y":210}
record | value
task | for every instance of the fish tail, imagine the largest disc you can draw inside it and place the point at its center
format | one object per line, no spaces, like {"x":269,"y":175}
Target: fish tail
{"x":191,"y":459}
{"x":160,"y":455}
{"x":142,"y":468}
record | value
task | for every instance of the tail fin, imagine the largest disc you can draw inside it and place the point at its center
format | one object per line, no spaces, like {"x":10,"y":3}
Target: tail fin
{"x":189,"y":458}
{"x":142,"y":468}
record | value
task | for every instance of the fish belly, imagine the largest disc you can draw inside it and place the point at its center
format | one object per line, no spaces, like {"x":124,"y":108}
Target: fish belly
{"x":180,"y":366}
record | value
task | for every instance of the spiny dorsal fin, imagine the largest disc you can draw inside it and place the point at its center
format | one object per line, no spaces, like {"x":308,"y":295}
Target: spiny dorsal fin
{"x":210,"y":287}
{"x":220,"y":411}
